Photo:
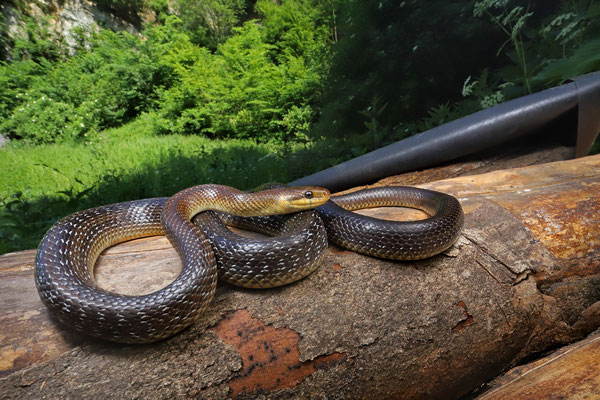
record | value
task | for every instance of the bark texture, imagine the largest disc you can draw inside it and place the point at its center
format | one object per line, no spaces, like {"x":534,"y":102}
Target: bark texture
{"x":522,"y":279}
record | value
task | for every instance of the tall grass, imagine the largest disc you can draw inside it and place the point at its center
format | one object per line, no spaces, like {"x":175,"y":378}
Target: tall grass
{"x":149,"y":165}
{"x":41,"y":183}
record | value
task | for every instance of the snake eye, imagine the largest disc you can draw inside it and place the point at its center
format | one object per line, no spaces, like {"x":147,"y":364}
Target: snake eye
{"x":308,"y":194}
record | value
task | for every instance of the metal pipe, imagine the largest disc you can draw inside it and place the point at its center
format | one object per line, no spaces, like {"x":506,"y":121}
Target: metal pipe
{"x":469,"y":134}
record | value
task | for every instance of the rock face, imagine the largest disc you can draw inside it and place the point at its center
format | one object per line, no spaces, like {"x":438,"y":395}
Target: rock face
{"x":3,"y":140}
{"x":84,"y":14}
{"x":65,"y":16}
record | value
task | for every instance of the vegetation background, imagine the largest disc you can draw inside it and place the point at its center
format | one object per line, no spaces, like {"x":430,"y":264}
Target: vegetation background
{"x":243,"y":92}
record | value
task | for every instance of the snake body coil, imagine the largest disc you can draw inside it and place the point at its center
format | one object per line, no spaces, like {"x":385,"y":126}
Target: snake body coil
{"x":404,"y":240}
{"x":66,"y":255}
{"x":295,"y":249}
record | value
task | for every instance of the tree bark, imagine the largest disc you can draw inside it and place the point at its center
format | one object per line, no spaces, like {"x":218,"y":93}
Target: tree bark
{"x":522,"y":279}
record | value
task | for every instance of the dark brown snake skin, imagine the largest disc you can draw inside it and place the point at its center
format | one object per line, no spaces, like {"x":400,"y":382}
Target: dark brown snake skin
{"x":295,"y":250}
{"x":66,"y":255}
{"x":405,"y":240}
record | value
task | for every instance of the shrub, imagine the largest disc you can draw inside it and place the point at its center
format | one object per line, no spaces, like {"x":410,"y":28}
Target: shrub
{"x":38,"y":42}
{"x":209,"y":22}
{"x":43,"y":120}
{"x":15,"y":79}
{"x":105,"y":86}
{"x":239,"y":91}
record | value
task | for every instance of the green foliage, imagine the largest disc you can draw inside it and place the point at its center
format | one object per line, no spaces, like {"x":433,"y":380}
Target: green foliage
{"x":583,"y":59}
{"x":295,"y":28}
{"x":488,"y":94}
{"x":105,"y":86}
{"x":38,"y":42}
{"x":251,"y":86}
{"x":15,"y":78}
{"x":22,"y":222}
{"x":375,"y":132}
{"x":413,"y":57}
{"x":239,"y":91}
{"x":160,"y":9}
{"x":573,"y":36}
{"x":408,"y":54}
{"x":209,"y":22}
{"x":512,"y":23}
{"x":42,"y":120}
{"x":564,"y":44}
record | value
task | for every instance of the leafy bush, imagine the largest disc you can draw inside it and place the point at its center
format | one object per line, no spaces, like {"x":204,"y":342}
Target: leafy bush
{"x":296,"y":29}
{"x":238,"y":91}
{"x":105,"y":86}
{"x":548,"y":46}
{"x":15,"y":79}
{"x":39,"y":42}
{"x":160,"y":9}
{"x":209,"y":22}
{"x":43,"y":120}
{"x":261,"y":82}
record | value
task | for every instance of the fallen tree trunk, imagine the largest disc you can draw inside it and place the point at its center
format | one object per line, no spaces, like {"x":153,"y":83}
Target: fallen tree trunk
{"x":570,"y":372}
{"x":522,"y":279}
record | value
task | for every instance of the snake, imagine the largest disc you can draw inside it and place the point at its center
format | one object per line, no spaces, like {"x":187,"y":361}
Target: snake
{"x":194,"y":221}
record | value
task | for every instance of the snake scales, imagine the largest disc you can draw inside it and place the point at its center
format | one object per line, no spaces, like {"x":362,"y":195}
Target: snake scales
{"x":67,"y":253}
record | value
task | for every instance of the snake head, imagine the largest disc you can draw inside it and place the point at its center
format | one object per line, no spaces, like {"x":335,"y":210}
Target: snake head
{"x":301,"y":198}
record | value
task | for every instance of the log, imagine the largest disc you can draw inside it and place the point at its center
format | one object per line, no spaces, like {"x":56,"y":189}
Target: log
{"x":521,"y":280}
{"x":570,"y":372}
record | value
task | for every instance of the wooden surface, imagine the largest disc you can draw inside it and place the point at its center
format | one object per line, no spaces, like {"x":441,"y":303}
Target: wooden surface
{"x":568,"y":373}
{"x":522,"y":280}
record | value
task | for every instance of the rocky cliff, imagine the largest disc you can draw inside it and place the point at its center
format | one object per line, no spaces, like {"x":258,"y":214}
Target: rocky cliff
{"x":62,"y":16}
